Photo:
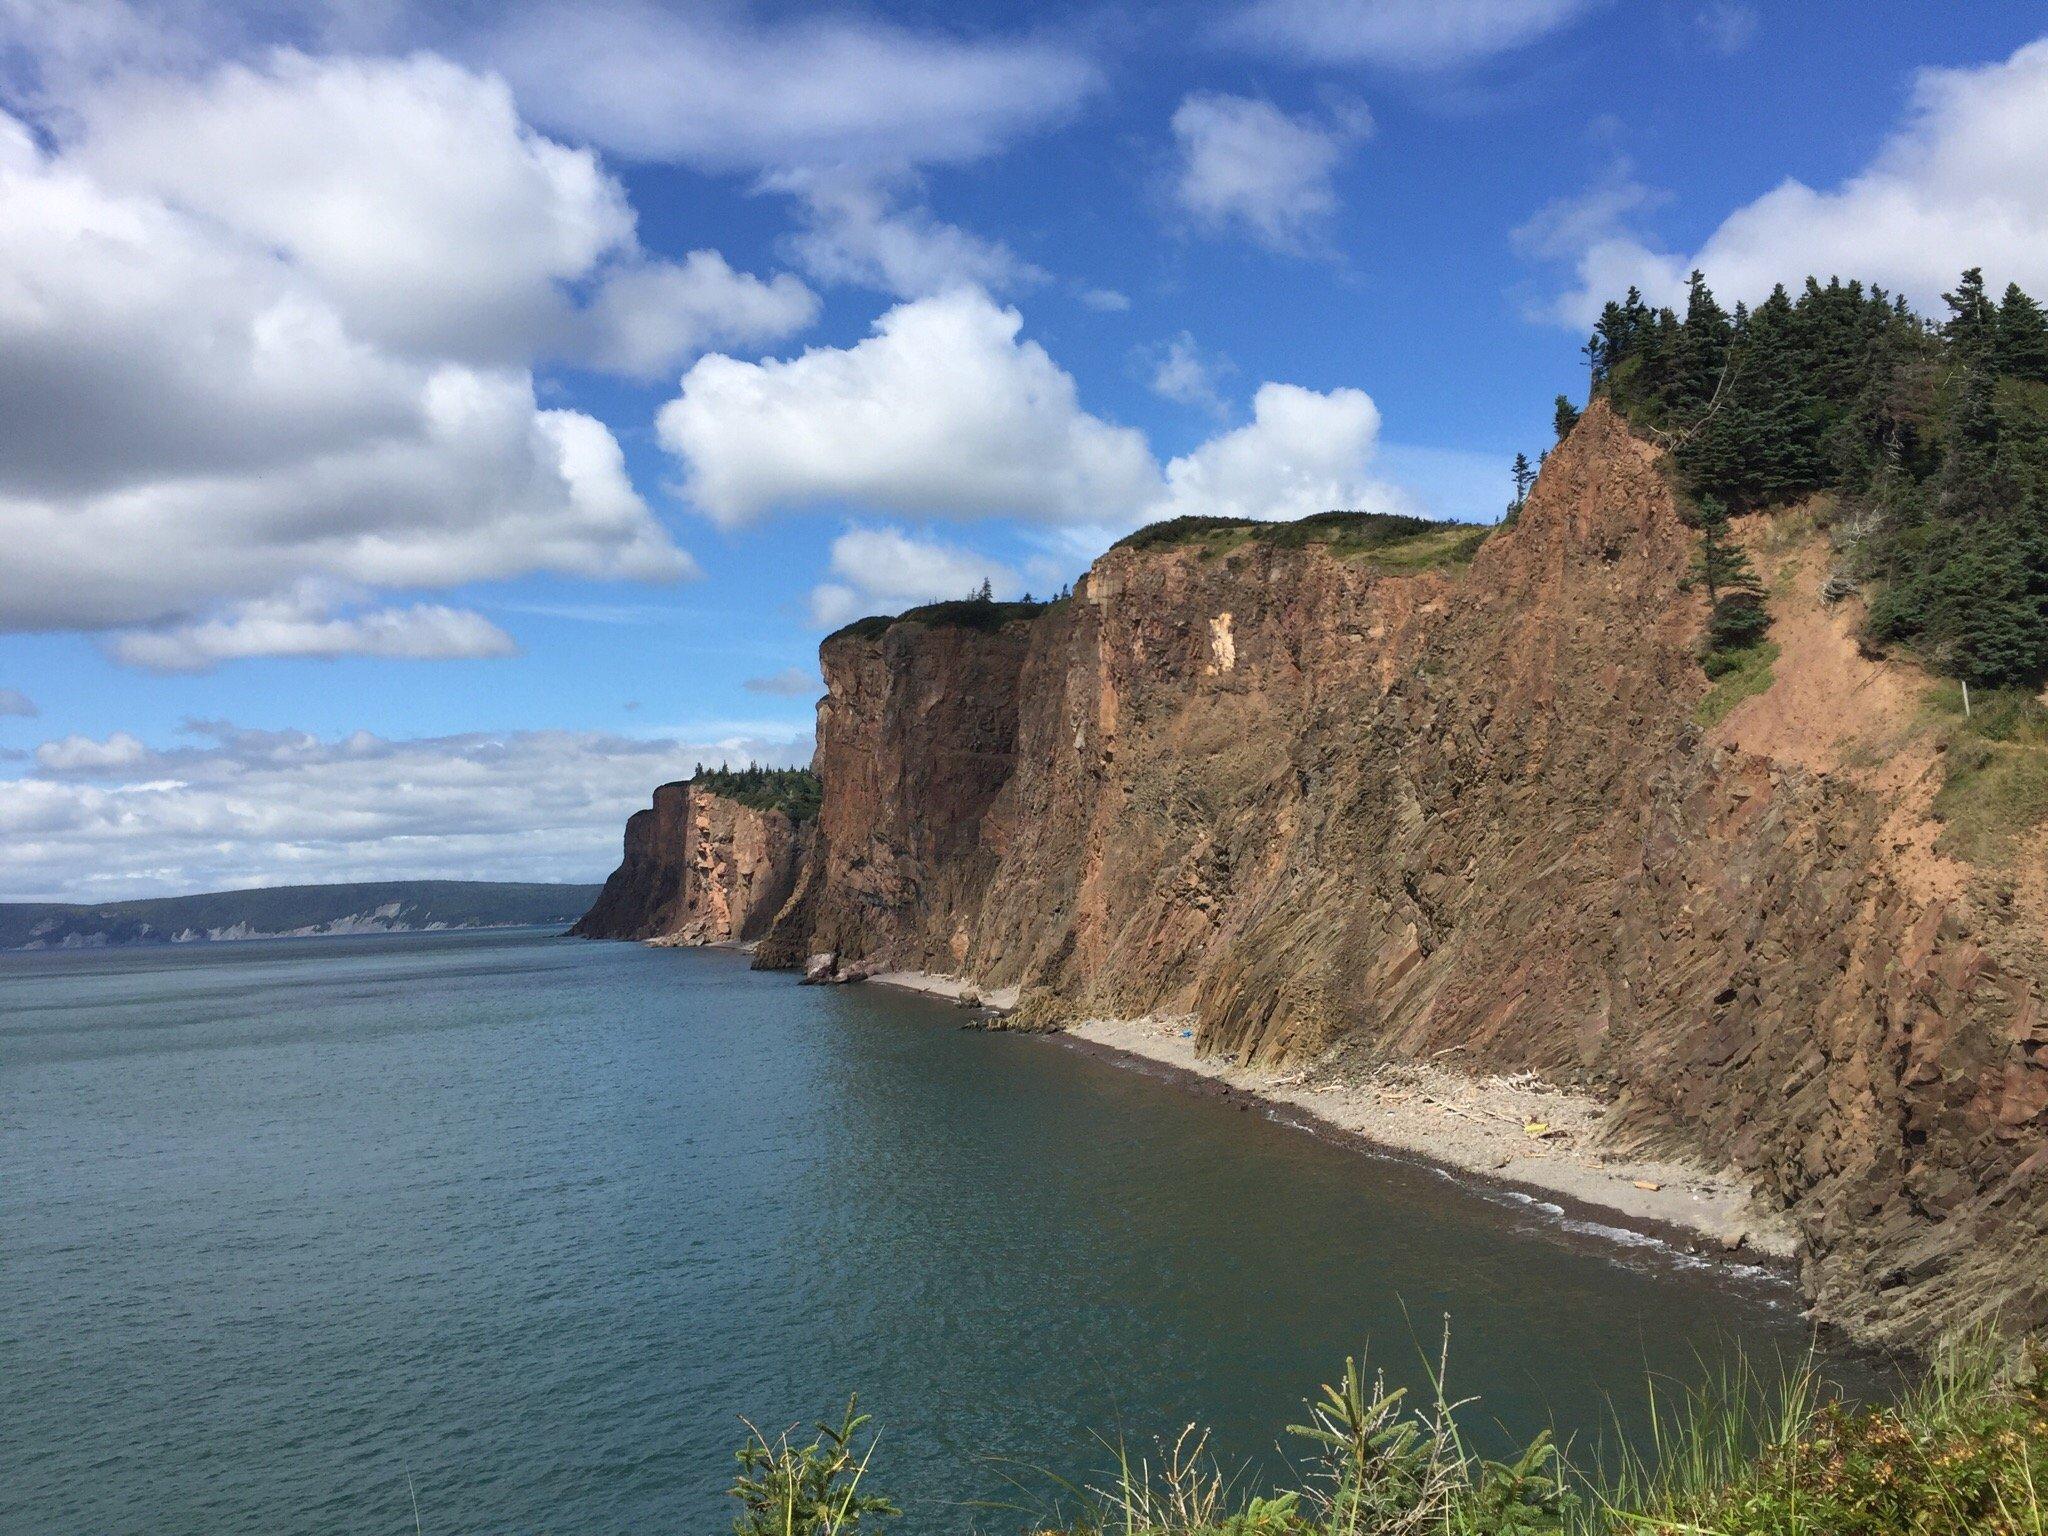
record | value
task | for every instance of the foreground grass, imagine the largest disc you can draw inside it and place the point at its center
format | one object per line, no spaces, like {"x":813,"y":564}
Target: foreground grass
{"x":1963,"y":1453}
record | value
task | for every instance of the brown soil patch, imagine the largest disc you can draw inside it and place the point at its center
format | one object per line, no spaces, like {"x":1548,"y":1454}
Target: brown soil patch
{"x":1831,"y":709}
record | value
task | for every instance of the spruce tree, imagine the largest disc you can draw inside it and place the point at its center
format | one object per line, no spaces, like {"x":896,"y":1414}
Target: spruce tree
{"x":1565,"y":417}
{"x":1524,"y":478}
{"x":1762,"y":443}
{"x":2022,"y":346}
{"x":1972,"y":327}
{"x":1969,"y":470}
{"x":1735,"y":598}
{"x":1699,"y":355}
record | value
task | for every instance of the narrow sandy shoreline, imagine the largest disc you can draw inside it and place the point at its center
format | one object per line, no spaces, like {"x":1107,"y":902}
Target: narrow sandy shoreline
{"x":1515,"y":1132}
{"x":953,"y":988}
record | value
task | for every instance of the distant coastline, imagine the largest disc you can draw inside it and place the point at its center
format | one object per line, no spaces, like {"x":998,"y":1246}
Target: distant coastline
{"x":295,"y":911}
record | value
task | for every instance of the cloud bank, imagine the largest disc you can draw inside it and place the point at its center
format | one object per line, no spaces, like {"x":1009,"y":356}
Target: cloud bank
{"x":98,"y":819}
{"x":277,"y":322}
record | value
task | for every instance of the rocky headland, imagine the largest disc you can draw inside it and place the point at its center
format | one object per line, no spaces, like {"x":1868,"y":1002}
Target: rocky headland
{"x":1360,"y":807}
{"x":699,"y":868}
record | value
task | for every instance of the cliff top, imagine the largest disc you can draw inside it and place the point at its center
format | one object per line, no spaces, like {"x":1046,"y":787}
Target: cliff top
{"x":796,"y":792}
{"x":1396,"y":541}
{"x":965,"y":613}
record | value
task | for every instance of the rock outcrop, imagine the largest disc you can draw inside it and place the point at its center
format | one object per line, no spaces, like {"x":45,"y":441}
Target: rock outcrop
{"x":699,"y":868}
{"x":1317,"y":803}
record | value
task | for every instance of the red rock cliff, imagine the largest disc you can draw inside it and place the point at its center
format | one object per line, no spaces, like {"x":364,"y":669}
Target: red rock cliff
{"x":1314,"y":803}
{"x":698,"y":869}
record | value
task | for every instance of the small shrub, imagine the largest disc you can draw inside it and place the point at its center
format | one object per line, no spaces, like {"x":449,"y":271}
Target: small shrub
{"x":1737,"y":623}
{"x":1964,"y":1454}
{"x":807,"y":1490}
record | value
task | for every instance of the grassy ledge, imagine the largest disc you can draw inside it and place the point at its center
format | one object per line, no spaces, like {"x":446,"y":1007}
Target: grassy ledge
{"x":1994,"y":769}
{"x":1388,"y":540}
{"x":1737,"y":675}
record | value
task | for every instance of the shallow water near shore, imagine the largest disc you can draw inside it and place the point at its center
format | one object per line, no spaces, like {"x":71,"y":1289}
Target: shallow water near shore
{"x":527,"y":1223}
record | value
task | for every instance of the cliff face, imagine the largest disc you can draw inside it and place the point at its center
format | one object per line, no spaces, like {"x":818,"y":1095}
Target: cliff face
{"x":1315,"y":803}
{"x":698,"y":869}
{"x":917,"y":735}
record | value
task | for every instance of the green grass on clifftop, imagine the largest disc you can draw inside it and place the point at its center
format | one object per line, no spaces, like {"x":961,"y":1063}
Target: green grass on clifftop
{"x":1389,"y":540}
{"x":963,"y":613}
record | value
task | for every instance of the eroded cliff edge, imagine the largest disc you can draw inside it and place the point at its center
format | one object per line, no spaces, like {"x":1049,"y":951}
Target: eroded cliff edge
{"x":698,"y":868}
{"x":1318,"y":803}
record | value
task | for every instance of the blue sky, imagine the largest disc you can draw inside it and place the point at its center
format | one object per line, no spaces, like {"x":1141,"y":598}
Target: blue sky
{"x":871,"y":301}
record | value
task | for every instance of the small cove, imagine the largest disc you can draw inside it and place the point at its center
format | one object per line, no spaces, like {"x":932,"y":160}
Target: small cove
{"x":532,"y":1222}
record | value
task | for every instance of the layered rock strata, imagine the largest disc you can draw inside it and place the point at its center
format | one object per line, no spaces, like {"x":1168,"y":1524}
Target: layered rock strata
{"x":1328,"y":807}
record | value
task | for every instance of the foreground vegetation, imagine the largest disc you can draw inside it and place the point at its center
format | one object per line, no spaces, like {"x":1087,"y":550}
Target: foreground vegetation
{"x":1963,"y":1453}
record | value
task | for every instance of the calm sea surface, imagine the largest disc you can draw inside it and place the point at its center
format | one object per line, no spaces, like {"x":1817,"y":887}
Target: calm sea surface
{"x":530,"y":1222}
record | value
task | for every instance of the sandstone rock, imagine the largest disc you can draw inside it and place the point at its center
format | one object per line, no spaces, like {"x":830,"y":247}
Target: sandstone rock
{"x":1436,"y":809}
{"x":698,"y":869}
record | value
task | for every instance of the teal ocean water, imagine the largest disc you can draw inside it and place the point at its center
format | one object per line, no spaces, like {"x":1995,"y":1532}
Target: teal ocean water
{"x":524,"y":1225}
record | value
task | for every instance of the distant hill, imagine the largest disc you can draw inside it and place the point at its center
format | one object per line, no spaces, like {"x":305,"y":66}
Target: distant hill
{"x":383,"y":906}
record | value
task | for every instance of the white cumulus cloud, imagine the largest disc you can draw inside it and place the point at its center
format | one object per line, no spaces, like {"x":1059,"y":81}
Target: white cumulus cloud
{"x":1959,"y":183}
{"x":652,"y":316}
{"x":711,"y":86}
{"x":1186,"y":375}
{"x":943,"y":411}
{"x":854,"y":232}
{"x":1245,"y":165}
{"x":886,"y":568}
{"x":407,"y":190}
{"x":1301,"y":453}
{"x":277,"y":322}
{"x":947,"y":412}
{"x":83,"y":754}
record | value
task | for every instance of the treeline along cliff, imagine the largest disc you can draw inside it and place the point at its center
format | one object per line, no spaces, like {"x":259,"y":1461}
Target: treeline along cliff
{"x":1409,"y":793}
